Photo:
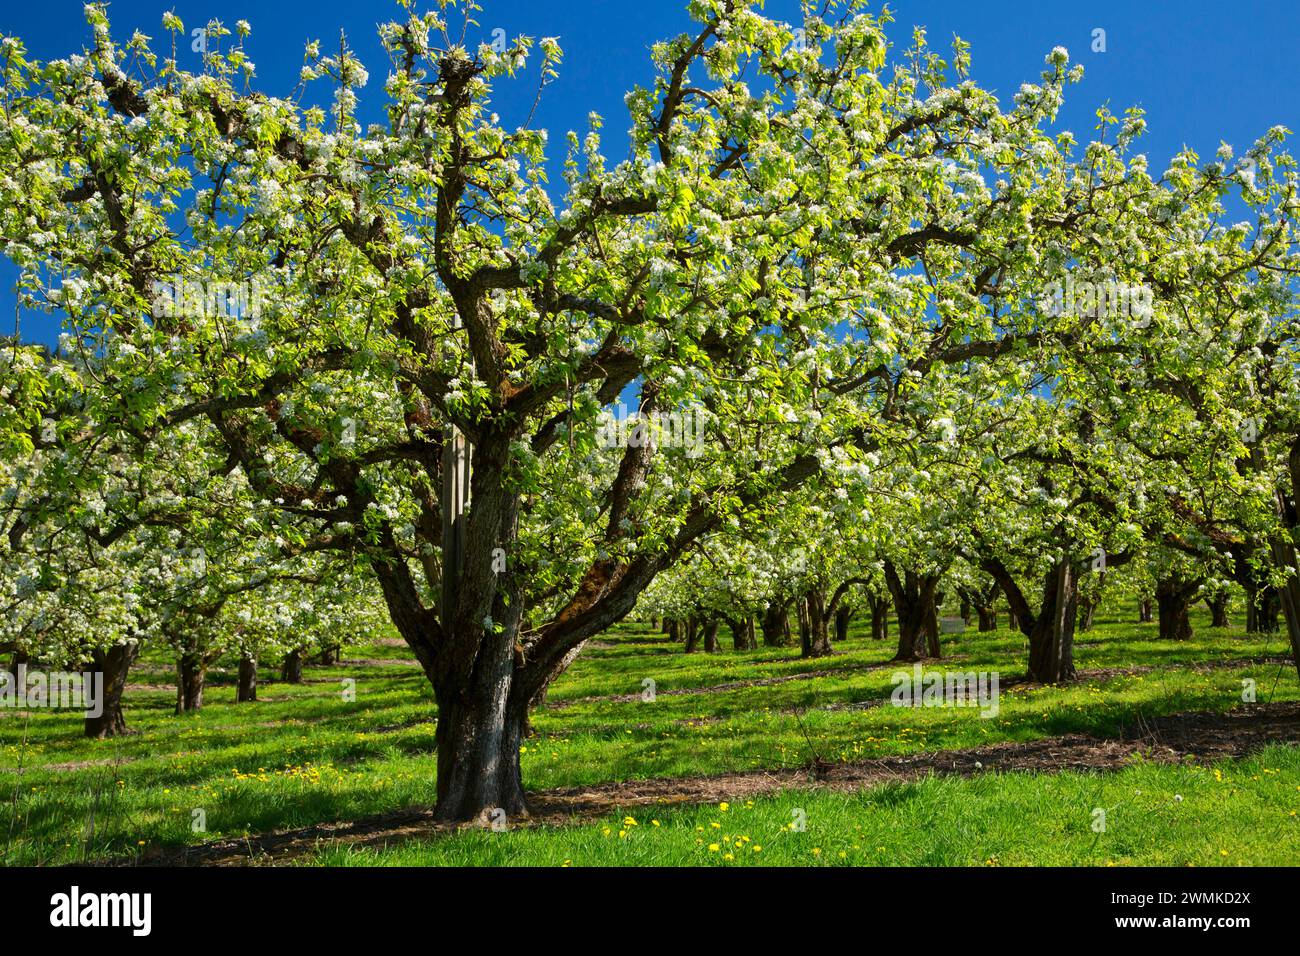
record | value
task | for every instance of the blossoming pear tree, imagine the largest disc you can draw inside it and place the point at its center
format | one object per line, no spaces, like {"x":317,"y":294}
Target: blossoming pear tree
{"x":801,"y":235}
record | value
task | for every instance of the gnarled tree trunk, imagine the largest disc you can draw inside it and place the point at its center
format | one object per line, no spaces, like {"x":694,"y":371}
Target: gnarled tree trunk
{"x":814,"y":641}
{"x":113,"y":664}
{"x":692,"y":633}
{"x":478,"y":739}
{"x":1051,"y":630}
{"x":913,"y":596}
{"x":710,"y":629}
{"x":1174,"y":596}
{"x":932,"y":629}
{"x":742,"y":633}
{"x":1051,"y":640}
{"x":191,"y":675}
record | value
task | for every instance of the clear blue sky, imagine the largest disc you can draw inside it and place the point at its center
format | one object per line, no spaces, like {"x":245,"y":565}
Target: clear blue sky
{"x":1205,"y":72}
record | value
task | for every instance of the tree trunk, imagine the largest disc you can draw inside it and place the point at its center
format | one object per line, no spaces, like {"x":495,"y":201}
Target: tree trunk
{"x":813,"y":638}
{"x":1087,"y":609}
{"x":843,"y":616}
{"x":1283,"y":548}
{"x":711,"y":636}
{"x":965,"y":611}
{"x":914,"y":603}
{"x":328,"y":657}
{"x":191,"y":675}
{"x":932,"y":629}
{"x":113,"y":664}
{"x":291,"y":669}
{"x":247,"y":692}
{"x":911,"y":628}
{"x":879,"y":607}
{"x":1144,"y":611}
{"x":692,"y":633}
{"x":17,"y":660}
{"x":1051,"y":642}
{"x":1270,"y":604}
{"x":1174,"y":597}
{"x":776,"y":622}
{"x":1218,"y":605}
{"x":988,"y":618}
{"x":742,"y":633}
{"x":478,"y":739}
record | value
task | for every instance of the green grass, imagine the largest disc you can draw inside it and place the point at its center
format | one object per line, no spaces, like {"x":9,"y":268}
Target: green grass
{"x":1156,"y":815}
{"x":304,"y":755}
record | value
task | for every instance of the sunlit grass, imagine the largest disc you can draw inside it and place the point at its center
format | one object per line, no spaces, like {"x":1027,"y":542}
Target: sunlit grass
{"x":304,"y":754}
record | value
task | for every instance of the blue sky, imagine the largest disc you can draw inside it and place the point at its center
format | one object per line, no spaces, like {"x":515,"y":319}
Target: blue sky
{"x":1204,"y":72}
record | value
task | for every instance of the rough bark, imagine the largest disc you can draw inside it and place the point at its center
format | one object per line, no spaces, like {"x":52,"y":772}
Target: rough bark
{"x":247,"y":692}
{"x":776,"y":624}
{"x":291,"y":668}
{"x":913,"y":596}
{"x":843,"y":617}
{"x":878,"y":604}
{"x":1174,"y":597}
{"x":113,"y":664}
{"x":932,"y":628}
{"x":742,"y":633}
{"x":1218,"y":605}
{"x":478,"y":739}
{"x":691,"y":633}
{"x":1051,"y":630}
{"x":1144,"y":611}
{"x":1051,"y":639}
{"x":710,"y":629}
{"x":191,"y":676}
{"x":814,"y":641}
